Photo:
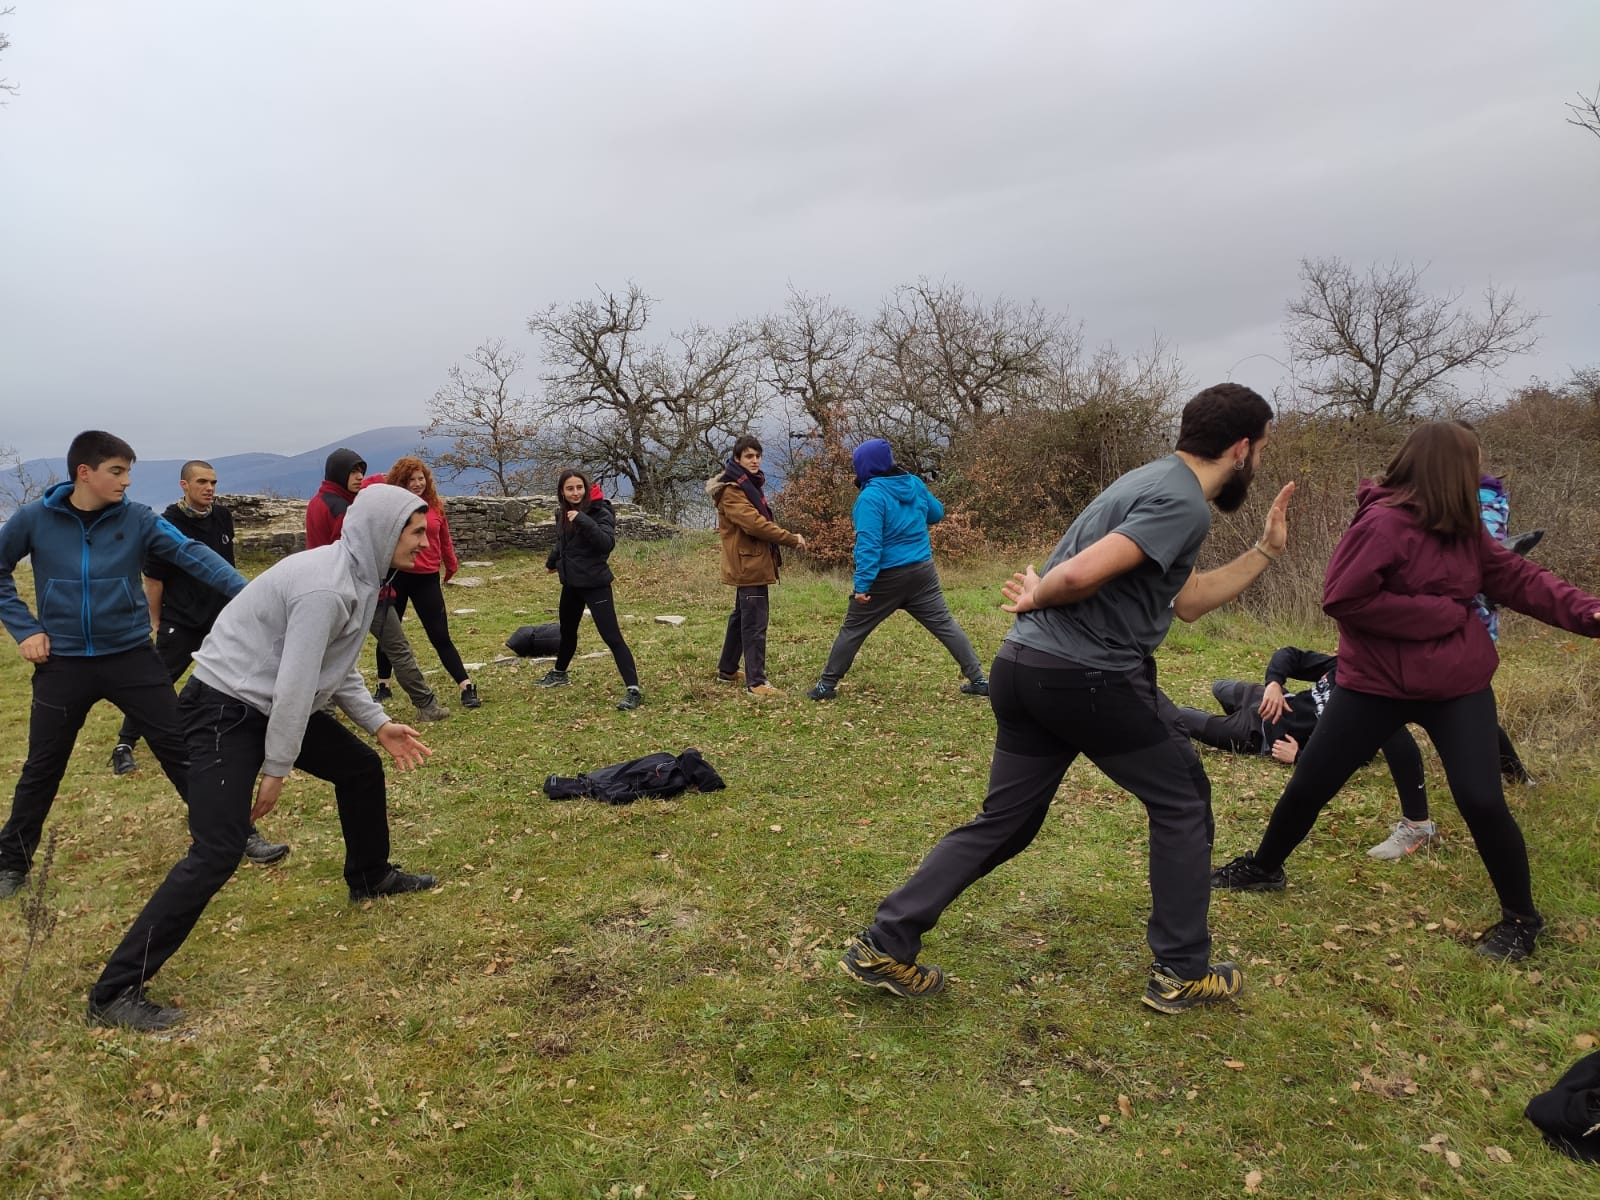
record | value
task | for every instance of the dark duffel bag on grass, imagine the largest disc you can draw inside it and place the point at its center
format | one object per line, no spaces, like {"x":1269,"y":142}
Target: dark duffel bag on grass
{"x":535,"y":641}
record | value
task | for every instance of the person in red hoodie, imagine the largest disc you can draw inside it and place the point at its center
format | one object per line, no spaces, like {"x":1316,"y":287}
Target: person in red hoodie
{"x":419,"y":585}
{"x":1401,"y":585}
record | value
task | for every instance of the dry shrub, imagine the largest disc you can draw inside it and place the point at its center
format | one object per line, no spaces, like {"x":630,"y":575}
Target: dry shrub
{"x":1546,"y":444}
{"x":1024,"y":477}
{"x":1326,"y":457}
{"x":957,"y":538}
{"x":818,"y":494}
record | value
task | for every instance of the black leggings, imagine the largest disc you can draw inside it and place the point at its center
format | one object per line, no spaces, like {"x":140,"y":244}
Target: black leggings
{"x":1352,"y":728}
{"x":603,"y":609}
{"x":424,"y":590}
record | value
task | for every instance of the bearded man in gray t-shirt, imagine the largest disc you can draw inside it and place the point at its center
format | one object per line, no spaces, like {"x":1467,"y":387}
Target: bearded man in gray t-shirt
{"x":1076,"y":675}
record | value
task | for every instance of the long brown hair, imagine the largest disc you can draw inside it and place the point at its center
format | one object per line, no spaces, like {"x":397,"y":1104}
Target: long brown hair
{"x":1435,"y":475}
{"x":400,"y":475}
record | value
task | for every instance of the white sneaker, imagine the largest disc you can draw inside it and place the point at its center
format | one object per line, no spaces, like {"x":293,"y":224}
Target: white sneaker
{"x":1405,"y":839}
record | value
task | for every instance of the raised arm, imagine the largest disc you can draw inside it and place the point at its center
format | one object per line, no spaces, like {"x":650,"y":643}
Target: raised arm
{"x":1207,"y":590}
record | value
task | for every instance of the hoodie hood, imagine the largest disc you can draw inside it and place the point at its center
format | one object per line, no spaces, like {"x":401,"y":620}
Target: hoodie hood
{"x":372,"y":529}
{"x":339,"y":465}
{"x":871,"y":459}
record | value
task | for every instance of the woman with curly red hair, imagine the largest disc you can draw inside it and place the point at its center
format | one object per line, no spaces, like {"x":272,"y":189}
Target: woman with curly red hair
{"x":420,"y":586}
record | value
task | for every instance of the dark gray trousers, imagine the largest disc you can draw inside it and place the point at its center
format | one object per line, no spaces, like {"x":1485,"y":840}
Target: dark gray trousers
{"x":915,"y":588}
{"x":746,"y":636}
{"x":1239,"y":730}
{"x":402,"y":659}
{"x":1046,"y":715}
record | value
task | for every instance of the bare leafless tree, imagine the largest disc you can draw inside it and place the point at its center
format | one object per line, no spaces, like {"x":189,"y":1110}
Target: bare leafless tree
{"x":492,"y":429}
{"x":940,"y":360}
{"x":6,"y":86}
{"x":660,"y":417}
{"x":20,"y":483}
{"x":1586,"y":112}
{"x":1378,"y":343}
{"x":812,"y":358}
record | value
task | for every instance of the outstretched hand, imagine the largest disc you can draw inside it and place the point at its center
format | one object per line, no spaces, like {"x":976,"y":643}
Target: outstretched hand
{"x":404,"y":745}
{"x":1019,"y":591}
{"x":1275,"y":535}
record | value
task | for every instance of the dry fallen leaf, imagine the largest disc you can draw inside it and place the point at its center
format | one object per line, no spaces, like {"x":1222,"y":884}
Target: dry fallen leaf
{"x":1124,"y":1106}
{"x":1233,"y":1064}
{"x":1454,"y":1159}
{"x":1497,"y":1154}
{"x":1584,"y":1041}
{"x":1252,"y":1182}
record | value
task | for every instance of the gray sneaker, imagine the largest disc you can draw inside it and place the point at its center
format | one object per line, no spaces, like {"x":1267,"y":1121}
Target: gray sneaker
{"x":1405,"y":839}
{"x":12,"y":882}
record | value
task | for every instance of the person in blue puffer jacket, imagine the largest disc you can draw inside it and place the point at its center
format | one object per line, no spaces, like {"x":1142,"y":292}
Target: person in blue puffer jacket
{"x":91,"y":638}
{"x":894,"y":569}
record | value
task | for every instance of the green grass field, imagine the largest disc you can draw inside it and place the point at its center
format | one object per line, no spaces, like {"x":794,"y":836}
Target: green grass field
{"x":644,"y":1001}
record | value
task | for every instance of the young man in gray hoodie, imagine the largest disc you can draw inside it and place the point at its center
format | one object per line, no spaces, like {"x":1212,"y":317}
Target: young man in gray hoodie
{"x":277,"y":655}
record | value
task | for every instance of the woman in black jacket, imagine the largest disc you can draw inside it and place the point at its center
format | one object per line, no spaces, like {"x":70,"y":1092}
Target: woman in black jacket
{"x":586,"y":530}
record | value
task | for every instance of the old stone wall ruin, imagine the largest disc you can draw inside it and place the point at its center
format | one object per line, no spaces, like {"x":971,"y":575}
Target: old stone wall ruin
{"x":479,"y":525}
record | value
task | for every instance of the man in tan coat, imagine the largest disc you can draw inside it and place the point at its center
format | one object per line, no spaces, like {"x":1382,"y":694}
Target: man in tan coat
{"x":750,"y":562}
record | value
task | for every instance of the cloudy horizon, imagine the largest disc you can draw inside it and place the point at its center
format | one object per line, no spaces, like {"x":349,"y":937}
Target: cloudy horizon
{"x":237,"y":229}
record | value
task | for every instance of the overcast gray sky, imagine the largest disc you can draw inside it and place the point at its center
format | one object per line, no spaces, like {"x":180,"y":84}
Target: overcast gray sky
{"x":258,"y":227}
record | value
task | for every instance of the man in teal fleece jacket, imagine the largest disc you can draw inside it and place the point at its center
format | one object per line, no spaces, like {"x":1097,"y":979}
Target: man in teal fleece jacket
{"x":90,"y":639}
{"x":894,"y":569}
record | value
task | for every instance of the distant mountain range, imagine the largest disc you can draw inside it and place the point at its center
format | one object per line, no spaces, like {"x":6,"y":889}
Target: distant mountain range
{"x":155,"y":481}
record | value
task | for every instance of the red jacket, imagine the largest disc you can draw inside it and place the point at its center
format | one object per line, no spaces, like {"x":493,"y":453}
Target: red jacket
{"x":1403,"y":599}
{"x":325,"y":514}
{"x":440,"y":547}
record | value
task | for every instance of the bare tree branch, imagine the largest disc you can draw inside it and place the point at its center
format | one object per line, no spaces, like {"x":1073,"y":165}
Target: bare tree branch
{"x":492,"y":429}
{"x":661,"y":418}
{"x":6,"y":85}
{"x":1586,"y":112}
{"x":813,"y":357}
{"x":1380,"y":344}
{"x":19,"y":484}
{"x":939,"y":360}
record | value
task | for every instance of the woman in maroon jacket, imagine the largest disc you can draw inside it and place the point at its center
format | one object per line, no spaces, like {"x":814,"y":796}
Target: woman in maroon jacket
{"x":1412,"y":651}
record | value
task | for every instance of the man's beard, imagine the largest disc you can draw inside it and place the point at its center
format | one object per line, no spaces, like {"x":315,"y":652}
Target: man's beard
{"x":1234,"y":493}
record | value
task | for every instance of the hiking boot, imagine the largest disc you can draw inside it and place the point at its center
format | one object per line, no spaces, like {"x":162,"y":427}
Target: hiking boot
{"x":122,"y":762}
{"x":631,"y":701}
{"x":865,"y":963}
{"x":395,"y":883}
{"x":262,"y":852}
{"x":1244,"y":875}
{"x":12,"y":882}
{"x":382,"y":692}
{"x":1167,"y":993}
{"x":764,"y":689}
{"x":469,"y":696}
{"x":975,"y":687}
{"x":724,"y":677}
{"x":552,"y":678}
{"x":1510,"y":940}
{"x":433,"y":711}
{"x":131,"y":1009}
{"x":1405,"y":839}
{"x":824,"y":691}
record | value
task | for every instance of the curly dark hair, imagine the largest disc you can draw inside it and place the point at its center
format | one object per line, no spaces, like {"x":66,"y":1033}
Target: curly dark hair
{"x":1219,"y":416}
